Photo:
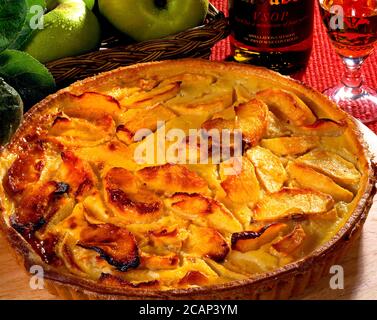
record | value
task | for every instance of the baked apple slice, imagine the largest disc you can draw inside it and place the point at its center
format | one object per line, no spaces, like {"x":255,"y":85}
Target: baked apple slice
{"x":285,"y":146}
{"x":199,"y":108}
{"x":157,"y":262}
{"x":203,"y":211}
{"x":239,"y":181}
{"x":166,"y":239}
{"x":253,"y":240}
{"x":150,"y":98}
{"x":128,"y":199}
{"x":90,"y":106}
{"x":25,"y":170}
{"x":38,"y":205}
{"x":111,"y":280}
{"x":173,"y":178}
{"x":80,"y":132}
{"x":252,"y":120}
{"x":206,"y":242}
{"x":196,"y":278}
{"x":322,"y":127}
{"x":77,"y":174}
{"x":270,"y":170}
{"x":276,"y":128}
{"x":219,"y":124}
{"x":331,"y":164}
{"x":143,"y":119}
{"x":287,"y":106}
{"x":308,"y":178}
{"x":291,"y":202}
{"x":85,"y":120}
{"x":291,"y":242}
{"x":116,"y":245}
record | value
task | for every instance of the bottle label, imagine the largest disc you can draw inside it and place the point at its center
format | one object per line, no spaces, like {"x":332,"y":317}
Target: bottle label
{"x":271,"y":23}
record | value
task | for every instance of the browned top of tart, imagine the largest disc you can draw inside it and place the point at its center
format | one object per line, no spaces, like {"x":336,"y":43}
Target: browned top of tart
{"x":73,"y":191}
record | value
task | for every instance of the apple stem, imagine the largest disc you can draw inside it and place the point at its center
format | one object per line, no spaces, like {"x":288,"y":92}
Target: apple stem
{"x":160,"y":3}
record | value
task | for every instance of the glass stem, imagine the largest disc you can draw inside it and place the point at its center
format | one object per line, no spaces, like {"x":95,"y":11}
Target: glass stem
{"x":352,"y":78}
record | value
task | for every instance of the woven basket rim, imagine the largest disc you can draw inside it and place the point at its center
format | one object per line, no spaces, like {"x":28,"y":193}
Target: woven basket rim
{"x":195,"y":43}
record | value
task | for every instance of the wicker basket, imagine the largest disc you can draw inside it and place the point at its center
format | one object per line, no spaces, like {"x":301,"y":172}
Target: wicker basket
{"x":116,"y":51}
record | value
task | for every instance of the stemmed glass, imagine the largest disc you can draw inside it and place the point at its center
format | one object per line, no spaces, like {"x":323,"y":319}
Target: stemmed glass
{"x":352,"y":28}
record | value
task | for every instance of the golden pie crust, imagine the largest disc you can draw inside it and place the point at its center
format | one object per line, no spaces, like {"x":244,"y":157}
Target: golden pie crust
{"x":74,"y":200}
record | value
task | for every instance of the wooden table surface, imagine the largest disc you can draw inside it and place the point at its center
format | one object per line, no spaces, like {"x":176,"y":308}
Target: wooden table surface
{"x":360,"y":276}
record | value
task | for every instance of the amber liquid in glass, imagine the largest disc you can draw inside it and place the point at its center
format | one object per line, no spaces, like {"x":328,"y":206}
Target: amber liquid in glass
{"x":356,"y":36}
{"x":277,"y":34}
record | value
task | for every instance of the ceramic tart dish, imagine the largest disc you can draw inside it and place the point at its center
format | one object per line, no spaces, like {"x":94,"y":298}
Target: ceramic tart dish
{"x":75,"y":200}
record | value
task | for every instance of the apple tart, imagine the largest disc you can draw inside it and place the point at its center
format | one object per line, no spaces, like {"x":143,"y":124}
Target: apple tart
{"x":75,"y":199}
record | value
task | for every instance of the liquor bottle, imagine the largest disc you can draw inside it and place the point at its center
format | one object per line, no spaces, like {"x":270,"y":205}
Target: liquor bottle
{"x":277,"y":34}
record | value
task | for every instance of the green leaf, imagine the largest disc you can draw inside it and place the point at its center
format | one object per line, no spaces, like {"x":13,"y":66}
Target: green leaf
{"x":26,"y":31}
{"x":12,"y":18}
{"x":10,"y":111}
{"x":27,"y":75}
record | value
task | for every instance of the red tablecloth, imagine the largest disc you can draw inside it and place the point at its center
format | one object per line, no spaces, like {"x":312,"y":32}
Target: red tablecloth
{"x":325,"y":67}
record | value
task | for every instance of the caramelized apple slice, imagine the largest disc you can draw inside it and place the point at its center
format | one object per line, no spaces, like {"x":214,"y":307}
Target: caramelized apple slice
{"x":166,"y":239}
{"x":120,"y":178}
{"x":240,"y":184}
{"x":143,"y":119}
{"x":38,"y":205}
{"x":252,"y":120}
{"x":253,"y":240}
{"x":219,"y":124}
{"x":194,"y":278}
{"x":77,"y":174}
{"x":173,"y":178}
{"x":150,"y":98}
{"x":270,"y":171}
{"x":287,"y":106}
{"x":340,"y":170}
{"x":25,"y":170}
{"x":290,"y":202}
{"x":203,"y":211}
{"x":291,"y":242}
{"x":126,"y":196}
{"x":116,"y":245}
{"x":155,"y":262}
{"x":285,"y":146}
{"x":206,"y":242}
{"x":308,"y":178}
{"x":90,"y":106}
{"x":322,"y":127}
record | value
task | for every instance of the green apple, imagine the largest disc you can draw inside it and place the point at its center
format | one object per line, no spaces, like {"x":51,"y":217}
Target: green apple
{"x":151,"y":19}
{"x":70,"y":28}
{"x":90,"y":3}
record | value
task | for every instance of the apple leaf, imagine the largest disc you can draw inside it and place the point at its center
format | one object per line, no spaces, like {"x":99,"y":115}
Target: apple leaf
{"x":12,"y":18}
{"x":28,"y":76}
{"x":27,"y":30}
